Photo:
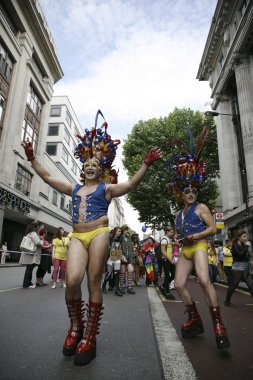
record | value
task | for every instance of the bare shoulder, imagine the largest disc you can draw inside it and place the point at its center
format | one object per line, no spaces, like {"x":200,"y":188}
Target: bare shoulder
{"x":201,"y":207}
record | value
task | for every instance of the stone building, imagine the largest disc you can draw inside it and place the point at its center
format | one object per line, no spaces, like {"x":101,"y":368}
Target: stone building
{"x":29,"y":68}
{"x":227,"y":63}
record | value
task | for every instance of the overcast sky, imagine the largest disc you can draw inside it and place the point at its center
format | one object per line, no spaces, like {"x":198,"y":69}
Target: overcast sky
{"x":133,"y":59}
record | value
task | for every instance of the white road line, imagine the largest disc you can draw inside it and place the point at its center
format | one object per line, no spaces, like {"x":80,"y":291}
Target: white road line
{"x":175,"y":362}
{"x":7,"y":290}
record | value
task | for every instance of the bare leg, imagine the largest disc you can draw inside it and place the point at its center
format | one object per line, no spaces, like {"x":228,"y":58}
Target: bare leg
{"x":201,"y":267}
{"x":97,"y":259}
{"x":183,"y":269}
{"x":76,"y":266}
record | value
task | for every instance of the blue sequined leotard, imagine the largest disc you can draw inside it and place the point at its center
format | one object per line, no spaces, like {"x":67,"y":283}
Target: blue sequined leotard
{"x":95,"y":205}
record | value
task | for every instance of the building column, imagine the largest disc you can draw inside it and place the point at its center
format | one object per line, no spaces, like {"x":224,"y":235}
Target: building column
{"x":244,"y":83}
{"x":1,"y":221}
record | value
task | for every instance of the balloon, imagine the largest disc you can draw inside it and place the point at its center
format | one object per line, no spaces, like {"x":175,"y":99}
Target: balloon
{"x":143,"y":228}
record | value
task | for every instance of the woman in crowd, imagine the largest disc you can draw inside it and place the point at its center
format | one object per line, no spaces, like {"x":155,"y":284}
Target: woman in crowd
{"x":228,"y":261}
{"x":46,"y":258}
{"x":31,"y":260}
{"x":212,"y":262}
{"x":114,"y":262}
{"x":4,"y":253}
{"x":59,"y":256}
{"x":151,"y":261}
{"x":127,"y":261}
{"x":240,"y":267}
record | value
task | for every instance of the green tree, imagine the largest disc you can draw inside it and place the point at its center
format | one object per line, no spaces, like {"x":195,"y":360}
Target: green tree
{"x":152,"y":198}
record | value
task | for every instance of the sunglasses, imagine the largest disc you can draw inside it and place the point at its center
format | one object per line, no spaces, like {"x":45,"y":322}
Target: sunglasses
{"x":93,"y":164}
{"x":189,"y":190}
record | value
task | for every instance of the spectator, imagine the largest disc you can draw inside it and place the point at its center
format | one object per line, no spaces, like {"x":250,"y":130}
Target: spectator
{"x":31,"y":260}
{"x":220,"y":269}
{"x":4,"y":253}
{"x":176,"y":247}
{"x":167,"y":263}
{"x":59,"y":256}
{"x":150,"y":261}
{"x":114,"y":262}
{"x":127,"y":263}
{"x":240,"y":266}
{"x":138,"y":263}
{"x":46,"y":258}
{"x":228,"y":260}
{"x":212,"y":262}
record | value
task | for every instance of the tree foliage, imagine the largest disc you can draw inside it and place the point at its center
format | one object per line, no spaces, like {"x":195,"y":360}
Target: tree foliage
{"x":152,"y":199}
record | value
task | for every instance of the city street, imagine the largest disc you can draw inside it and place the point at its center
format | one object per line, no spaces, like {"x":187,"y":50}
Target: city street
{"x":140,"y":336}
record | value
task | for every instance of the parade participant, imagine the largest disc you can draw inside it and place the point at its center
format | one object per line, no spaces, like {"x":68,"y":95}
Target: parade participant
{"x":194,"y":224}
{"x":90,"y":238}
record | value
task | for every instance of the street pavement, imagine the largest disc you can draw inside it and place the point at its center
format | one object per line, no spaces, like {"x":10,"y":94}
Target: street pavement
{"x":140,"y":336}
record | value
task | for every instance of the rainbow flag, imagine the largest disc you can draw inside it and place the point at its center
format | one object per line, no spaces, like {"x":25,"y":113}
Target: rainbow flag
{"x":149,"y":268}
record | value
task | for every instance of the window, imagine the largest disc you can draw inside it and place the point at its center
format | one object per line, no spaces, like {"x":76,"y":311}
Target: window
{"x":23,"y":180}
{"x":2,"y":108}
{"x":55,"y":196}
{"x":65,"y":154}
{"x":67,"y":136}
{"x":6,"y":64}
{"x":55,"y":111}
{"x":34,"y":103}
{"x":62,"y":203}
{"x":53,"y":130}
{"x":51,"y":149}
{"x":74,"y":167}
{"x":31,"y":123}
{"x":68,"y":117}
{"x":76,"y":131}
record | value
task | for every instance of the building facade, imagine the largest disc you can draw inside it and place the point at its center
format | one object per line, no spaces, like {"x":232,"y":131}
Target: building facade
{"x":227,"y":63}
{"x":28,"y":70}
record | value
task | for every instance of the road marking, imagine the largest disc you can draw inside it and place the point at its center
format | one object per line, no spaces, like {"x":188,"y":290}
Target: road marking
{"x":175,"y":362}
{"x":7,"y":290}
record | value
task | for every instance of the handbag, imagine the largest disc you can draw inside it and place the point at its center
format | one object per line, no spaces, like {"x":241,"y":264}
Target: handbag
{"x":27,"y":245}
{"x":115,"y":254}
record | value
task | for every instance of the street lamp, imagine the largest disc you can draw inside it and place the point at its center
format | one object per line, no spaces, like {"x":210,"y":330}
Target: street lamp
{"x":213,"y":113}
{"x":237,"y":123}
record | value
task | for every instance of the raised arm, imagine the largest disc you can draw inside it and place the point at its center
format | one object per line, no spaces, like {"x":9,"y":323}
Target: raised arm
{"x":63,"y":187}
{"x":125,"y":187}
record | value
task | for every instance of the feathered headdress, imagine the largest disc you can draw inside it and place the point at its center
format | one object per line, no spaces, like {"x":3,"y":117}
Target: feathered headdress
{"x":189,"y":169}
{"x":97,"y":144}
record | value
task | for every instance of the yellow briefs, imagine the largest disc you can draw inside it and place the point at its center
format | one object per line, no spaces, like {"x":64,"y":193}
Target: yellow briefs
{"x":189,"y":250}
{"x":87,"y":237}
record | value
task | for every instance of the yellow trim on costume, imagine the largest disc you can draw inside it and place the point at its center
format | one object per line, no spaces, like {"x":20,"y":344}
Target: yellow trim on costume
{"x":188,"y":251}
{"x":87,"y":237}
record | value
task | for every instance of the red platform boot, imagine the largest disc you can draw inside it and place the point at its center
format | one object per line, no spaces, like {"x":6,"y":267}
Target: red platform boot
{"x":75,"y":333}
{"x":194,"y":324}
{"x":86,"y":350}
{"x":219,"y":329}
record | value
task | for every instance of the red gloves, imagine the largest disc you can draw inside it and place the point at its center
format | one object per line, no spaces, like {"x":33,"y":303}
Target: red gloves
{"x":188,"y":240}
{"x":152,"y":155}
{"x":28,"y":151}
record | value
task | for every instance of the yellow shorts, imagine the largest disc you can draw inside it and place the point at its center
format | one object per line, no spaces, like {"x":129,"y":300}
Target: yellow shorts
{"x":188,"y":251}
{"x":87,"y":237}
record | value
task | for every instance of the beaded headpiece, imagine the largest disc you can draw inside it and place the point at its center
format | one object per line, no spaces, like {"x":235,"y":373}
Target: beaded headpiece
{"x":98,"y":144}
{"x":189,"y":169}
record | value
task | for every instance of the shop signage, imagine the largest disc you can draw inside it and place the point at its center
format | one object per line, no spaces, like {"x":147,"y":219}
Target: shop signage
{"x":12,"y":200}
{"x":219,"y":220}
